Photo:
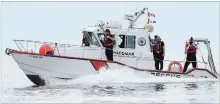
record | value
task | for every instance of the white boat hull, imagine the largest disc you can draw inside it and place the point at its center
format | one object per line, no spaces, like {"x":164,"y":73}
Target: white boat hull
{"x":39,"y":67}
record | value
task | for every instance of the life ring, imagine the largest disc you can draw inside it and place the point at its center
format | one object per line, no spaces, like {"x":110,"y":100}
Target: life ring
{"x":175,"y":62}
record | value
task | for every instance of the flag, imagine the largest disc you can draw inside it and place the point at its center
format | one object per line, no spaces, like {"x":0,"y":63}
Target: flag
{"x":151,"y":18}
{"x":148,"y":14}
{"x":148,"y":21}
{"x":151,"y":14}
{"x":152,"y":21}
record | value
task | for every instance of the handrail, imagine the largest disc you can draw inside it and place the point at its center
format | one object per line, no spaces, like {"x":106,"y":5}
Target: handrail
{"x":41,"y":42}
{"x":66,"y":46}
{"x":59,"y":48}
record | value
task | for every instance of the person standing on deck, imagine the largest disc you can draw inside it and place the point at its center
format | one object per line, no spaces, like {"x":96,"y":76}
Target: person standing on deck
{"x":159,"y":52}
{"x":109,"y":43}
{"x":85,"y":42}
{"x":191,"y":49}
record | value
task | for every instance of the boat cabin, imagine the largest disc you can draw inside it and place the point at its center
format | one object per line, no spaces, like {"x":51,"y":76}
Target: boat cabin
{"x":131,"y":46}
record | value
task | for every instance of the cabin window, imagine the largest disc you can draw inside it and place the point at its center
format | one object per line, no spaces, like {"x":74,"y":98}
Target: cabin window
{"x":101,"y":37}
{"x":127,"y":41}
{"x":90,"y":36}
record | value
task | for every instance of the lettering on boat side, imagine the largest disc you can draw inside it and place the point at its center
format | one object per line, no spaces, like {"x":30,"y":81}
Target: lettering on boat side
{"x":35,"y":56}
{"x":165,"y":74}
{"x":123,"y":54}
{"x":203,"y":76}
{"x":190,"y":75}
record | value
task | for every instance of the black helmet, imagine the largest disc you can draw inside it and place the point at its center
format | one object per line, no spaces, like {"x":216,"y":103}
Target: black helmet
{"x":158,"y":38}
{"x":107,"y":30}
{"x":155,"y":36}
{"x":191,"y":39}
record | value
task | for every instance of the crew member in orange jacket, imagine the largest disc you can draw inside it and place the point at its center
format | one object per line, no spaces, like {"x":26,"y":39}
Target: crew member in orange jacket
{"x":159,"y":53}
{"x":109,"y":43}
{"x":191,"y":49}
{"x":85,"y":42}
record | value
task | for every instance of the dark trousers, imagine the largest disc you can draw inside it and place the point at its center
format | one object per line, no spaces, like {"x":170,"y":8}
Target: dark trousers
{"x":159,"y":61}
{"x":187,"y":64}
{"x":109,"y":53}
{"x":190,"y":57}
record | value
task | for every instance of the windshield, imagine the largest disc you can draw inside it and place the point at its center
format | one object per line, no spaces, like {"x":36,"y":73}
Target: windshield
{"x":101,"y":38}
{"x":90,"y":36}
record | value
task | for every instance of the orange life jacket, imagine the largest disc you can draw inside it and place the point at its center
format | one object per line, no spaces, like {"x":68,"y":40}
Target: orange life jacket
{"x":192,"y":49}
{"x":108,"y":42}
{"x":158,"y":46}
{"x":85,"y":41}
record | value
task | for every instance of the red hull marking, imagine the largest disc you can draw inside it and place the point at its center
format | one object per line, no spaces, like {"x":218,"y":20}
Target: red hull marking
{"x":98,"y":64}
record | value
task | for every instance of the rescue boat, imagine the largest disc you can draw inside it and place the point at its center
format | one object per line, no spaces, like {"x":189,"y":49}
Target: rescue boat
{"x":131,"y":50}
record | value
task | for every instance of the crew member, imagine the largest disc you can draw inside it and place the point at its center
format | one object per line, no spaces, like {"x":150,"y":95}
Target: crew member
{"x":85,"y":42}
{"x":159,"y":53}
{"x":191,"y":54}
{"x":109,"y":43}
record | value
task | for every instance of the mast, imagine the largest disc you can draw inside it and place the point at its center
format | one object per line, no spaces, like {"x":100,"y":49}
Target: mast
{"x":137,"y":14}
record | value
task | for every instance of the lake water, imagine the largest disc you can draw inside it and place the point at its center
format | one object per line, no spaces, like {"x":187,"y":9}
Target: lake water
{"x":113,"y":86}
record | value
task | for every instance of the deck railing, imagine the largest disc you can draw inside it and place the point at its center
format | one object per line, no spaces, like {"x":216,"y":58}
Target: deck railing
{"x":62,"y":49}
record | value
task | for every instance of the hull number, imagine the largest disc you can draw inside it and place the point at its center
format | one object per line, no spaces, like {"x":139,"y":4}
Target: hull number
{"x":35,"y":56}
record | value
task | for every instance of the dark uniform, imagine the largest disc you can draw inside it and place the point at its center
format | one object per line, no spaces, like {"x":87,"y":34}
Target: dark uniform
{"x":85,"y":42}
{"x":159,"y":54}
{"x":108,"y":43}
{"x":191,"y":56}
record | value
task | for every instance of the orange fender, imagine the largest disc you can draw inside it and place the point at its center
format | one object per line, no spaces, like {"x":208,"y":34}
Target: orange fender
{"x":45,"y":48}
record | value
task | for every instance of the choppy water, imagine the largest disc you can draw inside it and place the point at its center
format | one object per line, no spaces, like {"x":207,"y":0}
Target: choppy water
{"x":115,"y":86}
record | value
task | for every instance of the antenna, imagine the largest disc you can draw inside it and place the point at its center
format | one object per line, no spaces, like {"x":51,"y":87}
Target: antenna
{"x":130,"y":17}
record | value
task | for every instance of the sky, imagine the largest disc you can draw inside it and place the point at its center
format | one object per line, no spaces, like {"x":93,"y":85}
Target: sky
{"x":62,"y":22}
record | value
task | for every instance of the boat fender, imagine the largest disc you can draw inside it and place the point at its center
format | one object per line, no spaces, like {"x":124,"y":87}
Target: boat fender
{"x":175,"y":62}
